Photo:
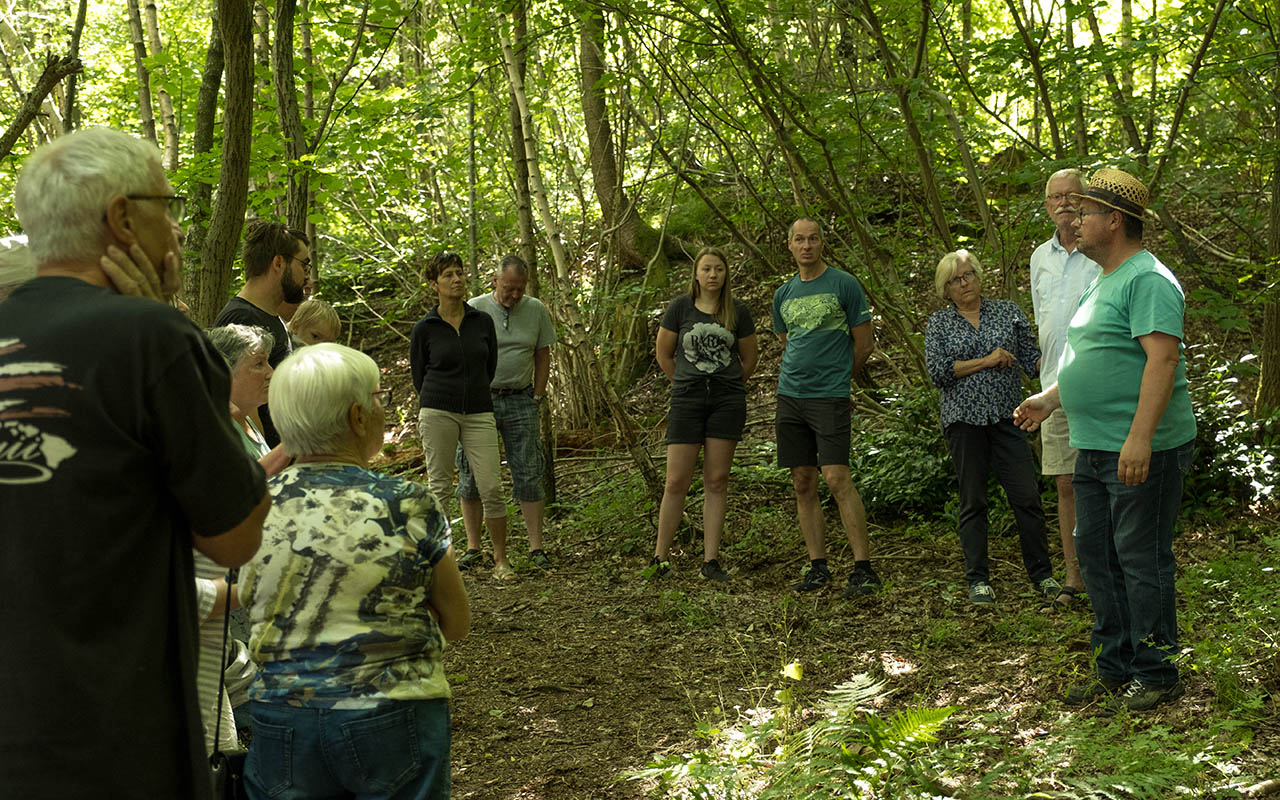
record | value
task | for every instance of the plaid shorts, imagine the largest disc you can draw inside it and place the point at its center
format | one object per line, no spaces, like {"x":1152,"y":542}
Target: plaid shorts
{"x":517,"y":418}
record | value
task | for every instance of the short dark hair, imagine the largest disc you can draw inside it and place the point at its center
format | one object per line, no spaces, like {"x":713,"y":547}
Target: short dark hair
{"x":264,"y":240}
{"x":791,"y":229}
{"x":516,"y":263}
{"x":442,"y":261}
{"x":1132,"y":227}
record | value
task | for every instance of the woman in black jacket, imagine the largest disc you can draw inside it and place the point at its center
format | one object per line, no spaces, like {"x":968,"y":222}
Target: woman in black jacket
{"x":453,"y":355}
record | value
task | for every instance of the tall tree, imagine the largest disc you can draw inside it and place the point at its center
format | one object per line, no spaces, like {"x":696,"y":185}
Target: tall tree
{"x":167,"y":119}
{"x":146,"y":114}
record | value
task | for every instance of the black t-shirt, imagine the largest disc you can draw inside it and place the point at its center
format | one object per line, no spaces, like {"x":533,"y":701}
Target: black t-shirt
{"x":704,"y":348}
{"x":239,"y":311}
{"x":115,"y":445}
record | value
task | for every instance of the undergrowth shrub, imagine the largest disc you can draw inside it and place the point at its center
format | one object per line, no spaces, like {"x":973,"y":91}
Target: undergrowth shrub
{"x":1236,"y":464}
{"x":770,"y":753}
{"x":901,"y":459}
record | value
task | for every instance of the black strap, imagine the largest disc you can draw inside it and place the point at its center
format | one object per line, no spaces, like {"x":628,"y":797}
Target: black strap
{"x":232,"y":575}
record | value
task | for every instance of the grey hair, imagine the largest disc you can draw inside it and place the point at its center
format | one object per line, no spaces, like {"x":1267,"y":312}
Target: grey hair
{"x":311,"y":395}
{"x":235,"y":343}
{"x":791,"y":229}
{"x":1069,"y":172}
{"x":515,"y":264}
{"x":950,"y":265}
{"x":66,"y":186}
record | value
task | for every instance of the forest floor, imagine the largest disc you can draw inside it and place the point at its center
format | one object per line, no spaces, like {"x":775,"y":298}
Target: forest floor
{"x":573,"y":676}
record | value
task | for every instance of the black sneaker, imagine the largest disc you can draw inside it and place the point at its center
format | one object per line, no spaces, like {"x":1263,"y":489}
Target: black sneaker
{"x":657,"y":568}
{"x":814,"y":578}
{"x":1095,"y":688}
{"x":711,"y":571}
{"x":1141,"y":696}
{"x":539,"y":559}
{"x":469,"y":559}
{"x":862,"y":582}
{"x":981,"y":594}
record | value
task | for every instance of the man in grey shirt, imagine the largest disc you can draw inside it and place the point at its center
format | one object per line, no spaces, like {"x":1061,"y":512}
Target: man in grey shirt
{"x":525,"y":335}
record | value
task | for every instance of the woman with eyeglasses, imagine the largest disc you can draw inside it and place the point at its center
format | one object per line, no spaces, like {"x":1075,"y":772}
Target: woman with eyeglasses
{"x":352,"y":597}
{"x":453,"y":356}
{"x":976,"y":350}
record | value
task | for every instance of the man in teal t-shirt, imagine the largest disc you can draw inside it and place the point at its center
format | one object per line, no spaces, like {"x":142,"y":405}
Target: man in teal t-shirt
{"x":1122,"y":383}
{"x":822,"y":317}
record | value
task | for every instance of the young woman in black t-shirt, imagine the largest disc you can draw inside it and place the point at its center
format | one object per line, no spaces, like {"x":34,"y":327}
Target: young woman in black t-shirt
{"x":707,"y":348}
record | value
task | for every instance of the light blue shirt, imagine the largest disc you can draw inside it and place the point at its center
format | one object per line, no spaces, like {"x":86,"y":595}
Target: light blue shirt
{"x":1058,"y":281}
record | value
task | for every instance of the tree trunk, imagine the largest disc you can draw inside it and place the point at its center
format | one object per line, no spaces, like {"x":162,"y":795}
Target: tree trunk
{"x":166,"y":104}
{"x":202,"y":144}
{"x":69,"y":110}
{"x":1077,"y":105}
{"x":1037,"y":72}
{"x":295,"y":140}
{"x":524,"y":201}
{"x":55,"y":69}
{"x":146,"y":115}
{"x":576,"y":340}
{"x":219,"y":249}
{"x":1267,"y":400}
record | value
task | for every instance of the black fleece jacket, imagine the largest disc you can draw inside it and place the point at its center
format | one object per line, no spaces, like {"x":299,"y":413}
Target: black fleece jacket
{"x":452,"y":369}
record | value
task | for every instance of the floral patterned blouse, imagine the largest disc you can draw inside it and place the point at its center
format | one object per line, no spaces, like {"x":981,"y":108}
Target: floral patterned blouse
{"x":989,"y":395}
{"x":338,"y":592}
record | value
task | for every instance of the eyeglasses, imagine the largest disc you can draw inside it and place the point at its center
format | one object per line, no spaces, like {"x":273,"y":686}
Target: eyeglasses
{"x":305,"y":262}
{"x":1080,"y":215}
{"x":1057,"y":197}
{"x":383,"y":396}
{"x":177,"y":203}
{"x":963,"y":277}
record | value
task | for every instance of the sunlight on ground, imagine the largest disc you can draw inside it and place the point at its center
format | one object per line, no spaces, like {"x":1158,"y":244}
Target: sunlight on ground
{"x":894,"y":665}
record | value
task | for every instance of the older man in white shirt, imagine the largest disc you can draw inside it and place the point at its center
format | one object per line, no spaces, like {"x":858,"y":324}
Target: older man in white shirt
{"x":1059,"y":275}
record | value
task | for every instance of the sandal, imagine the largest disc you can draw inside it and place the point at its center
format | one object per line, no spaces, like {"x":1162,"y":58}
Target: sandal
{"x":1066,"y":598}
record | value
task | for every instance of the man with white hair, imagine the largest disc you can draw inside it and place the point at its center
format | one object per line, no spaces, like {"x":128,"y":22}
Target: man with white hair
{"x":1060,"y":273}
{"x":117,"y":455}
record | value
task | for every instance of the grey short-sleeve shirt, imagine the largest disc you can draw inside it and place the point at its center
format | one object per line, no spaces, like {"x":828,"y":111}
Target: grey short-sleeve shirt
{"x":521,"y":330}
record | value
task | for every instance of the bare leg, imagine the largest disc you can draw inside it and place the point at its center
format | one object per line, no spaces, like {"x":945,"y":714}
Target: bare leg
{"x":715,"y":489}
{"x":533,"y":513}
{"x":1067,"y":530}
{"x":681,"y":459}
{"x":498,"y":533}
{"x":809,"y":513}
{"x":472,"y":513}
{"x":852,"y":513}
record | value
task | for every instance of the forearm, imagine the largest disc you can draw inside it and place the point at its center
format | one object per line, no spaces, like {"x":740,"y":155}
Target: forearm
{"x":541,"y":371}
{"x":668,"y":365}
{"x":1153,"y":398}
{"x":963,"y":369}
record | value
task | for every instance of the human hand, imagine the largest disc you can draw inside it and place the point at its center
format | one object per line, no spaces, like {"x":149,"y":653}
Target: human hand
{"x":1000,"y":358}
{"x":132,"y":274}
{"x":1032,"y":411}
{"x":1135,"y":461}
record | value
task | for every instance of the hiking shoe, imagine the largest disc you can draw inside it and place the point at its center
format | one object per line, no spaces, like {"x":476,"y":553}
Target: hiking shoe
{"x":1095,"y":688}
{"x":815,"y":577}
{"x":711,"y":571}
{"x":1141,"y":696}
{"x":862,"y":582}
{"x":1049,"y":588}
{"x":658,"y":568}
{"x":981,"y":593}
{"x":539,"y":559}
{"x":469,"y":559}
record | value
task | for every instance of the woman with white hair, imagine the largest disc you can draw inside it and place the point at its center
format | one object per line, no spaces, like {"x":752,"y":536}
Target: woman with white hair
{"x":352,"y":596}
{"x":973,"y":350}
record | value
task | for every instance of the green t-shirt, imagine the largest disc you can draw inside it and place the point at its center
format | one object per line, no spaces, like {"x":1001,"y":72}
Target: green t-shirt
{"x":816,"y":316}
{"x":1100,"y":373}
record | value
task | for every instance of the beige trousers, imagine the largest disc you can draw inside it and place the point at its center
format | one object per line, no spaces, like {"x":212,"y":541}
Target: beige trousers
{"x":441,"y":432}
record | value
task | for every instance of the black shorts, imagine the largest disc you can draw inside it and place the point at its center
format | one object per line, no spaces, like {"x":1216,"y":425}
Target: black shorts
{"x":812,"y":431}
{"x":702,"y":411}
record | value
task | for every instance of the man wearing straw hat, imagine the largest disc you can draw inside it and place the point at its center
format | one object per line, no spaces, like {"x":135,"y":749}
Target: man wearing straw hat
{"x":1122,"y":383}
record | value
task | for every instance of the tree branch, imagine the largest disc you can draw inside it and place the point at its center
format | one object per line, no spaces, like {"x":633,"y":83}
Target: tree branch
{"x":55,"y":69}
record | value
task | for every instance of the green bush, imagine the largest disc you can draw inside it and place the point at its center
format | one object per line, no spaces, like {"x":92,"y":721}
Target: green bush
{"x":901,"y":459}
{"x":1236,"y":462}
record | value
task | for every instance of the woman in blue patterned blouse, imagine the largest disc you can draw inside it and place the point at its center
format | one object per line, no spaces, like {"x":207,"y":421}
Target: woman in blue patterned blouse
{"x":974,"y":349}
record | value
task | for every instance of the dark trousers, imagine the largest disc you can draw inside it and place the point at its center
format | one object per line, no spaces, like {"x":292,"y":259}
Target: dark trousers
{"x":975,"y":451}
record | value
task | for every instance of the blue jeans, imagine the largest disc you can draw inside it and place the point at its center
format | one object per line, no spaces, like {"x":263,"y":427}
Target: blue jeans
{"x":516,"y":416}
{"x":1124,"y":540}
{"x":399,"y":750}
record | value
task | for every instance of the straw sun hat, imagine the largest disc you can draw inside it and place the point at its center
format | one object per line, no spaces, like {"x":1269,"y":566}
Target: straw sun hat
{"x":1117,"y":189}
